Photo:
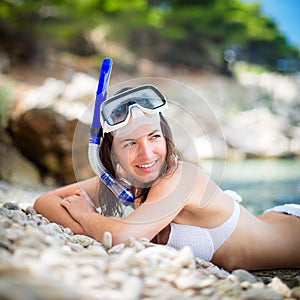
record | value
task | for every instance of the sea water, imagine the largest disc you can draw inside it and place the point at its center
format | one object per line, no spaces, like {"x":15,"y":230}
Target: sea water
{"x":262,"y":183}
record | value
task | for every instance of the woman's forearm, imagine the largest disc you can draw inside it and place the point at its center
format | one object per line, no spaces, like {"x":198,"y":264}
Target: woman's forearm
{"x":96,"y":225}
{"x":49,"y":206}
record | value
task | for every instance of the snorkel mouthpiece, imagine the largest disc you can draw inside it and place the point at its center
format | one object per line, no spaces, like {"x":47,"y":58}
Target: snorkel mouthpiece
{"x":122,"y":193}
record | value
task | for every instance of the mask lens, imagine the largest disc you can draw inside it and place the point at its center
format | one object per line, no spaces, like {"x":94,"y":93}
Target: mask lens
{"x":116,"y":109}
{"x":119,"y":114}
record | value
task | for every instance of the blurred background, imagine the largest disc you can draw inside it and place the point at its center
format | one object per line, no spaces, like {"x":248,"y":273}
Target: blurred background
{"x":242,"y":57}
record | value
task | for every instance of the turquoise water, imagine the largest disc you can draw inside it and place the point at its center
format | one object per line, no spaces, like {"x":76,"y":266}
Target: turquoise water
{"x":263,"y":183}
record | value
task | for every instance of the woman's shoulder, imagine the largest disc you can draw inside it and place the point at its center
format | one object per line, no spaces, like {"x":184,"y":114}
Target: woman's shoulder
{"x":185,"y":179}
{"x":185,"y":173}
{"x":191,"y":170}
{"x":199,"y":185}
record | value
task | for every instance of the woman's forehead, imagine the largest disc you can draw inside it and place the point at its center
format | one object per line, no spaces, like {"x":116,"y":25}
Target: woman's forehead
{"x":142,"y":125}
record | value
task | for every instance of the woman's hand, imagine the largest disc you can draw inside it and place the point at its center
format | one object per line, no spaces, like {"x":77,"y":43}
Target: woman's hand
{"x":77,"y":205}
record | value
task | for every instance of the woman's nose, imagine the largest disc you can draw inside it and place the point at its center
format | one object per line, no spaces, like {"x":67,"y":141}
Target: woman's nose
{"x":145,"y":150}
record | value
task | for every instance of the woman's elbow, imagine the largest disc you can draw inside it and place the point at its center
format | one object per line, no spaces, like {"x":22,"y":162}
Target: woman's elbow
{"x":45,"y":202}
{"x":123,"y":234}
{"x":117,"y":239}
{"x":38,"y":203}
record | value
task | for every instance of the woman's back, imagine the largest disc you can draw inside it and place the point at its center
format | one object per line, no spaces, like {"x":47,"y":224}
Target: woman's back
{"x":271,"y":240}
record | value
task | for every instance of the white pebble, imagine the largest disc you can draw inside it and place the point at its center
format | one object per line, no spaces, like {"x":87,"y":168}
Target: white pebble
{"x":107,"y":240}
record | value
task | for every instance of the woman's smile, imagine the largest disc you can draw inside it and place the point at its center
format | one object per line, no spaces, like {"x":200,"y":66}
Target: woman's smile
{"x":147,"y":166}
{"x":142,"y":153}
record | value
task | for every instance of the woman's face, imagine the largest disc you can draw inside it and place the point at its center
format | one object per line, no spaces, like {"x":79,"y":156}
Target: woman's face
{"x":140,"y":150}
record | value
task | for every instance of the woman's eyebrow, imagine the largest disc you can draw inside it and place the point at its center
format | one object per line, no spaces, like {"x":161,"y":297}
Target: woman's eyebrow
{"x":127,"y":140}
{"x":133,"y":139}
{"x":153,"y":132}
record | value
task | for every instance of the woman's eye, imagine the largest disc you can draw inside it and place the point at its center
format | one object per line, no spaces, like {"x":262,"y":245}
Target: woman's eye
{"x":156,"y":136}
{"x":129,"y":144}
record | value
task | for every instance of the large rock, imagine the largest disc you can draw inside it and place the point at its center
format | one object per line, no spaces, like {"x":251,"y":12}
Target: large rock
{"x":43,"y":123}
{"x":45,"y":137}
{"x":14,"y":167}
{"x":259,"y":133}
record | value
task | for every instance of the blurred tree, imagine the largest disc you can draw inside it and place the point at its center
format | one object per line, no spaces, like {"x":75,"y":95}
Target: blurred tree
{"x":192,"y":32}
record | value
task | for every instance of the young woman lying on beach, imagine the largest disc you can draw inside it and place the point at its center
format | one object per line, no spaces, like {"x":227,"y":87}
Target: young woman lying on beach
{"x":176,"y":203}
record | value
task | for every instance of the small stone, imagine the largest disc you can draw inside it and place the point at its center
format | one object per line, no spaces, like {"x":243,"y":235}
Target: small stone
{"x":36,"y":218}
{"x":229,"y":289}
{"x":232,"y":278}
{"x":151,"y":282}
{"x":221,"y":274}
{"x":117,"y":276}
{"x":54,"y":228}
{"x":11,"y":206}
{"x":117,"y":249}
{"x":136,"y":271}
{"x":258,"y":285}
{"x":132,"y":288}
{"x":88,"y":271}
{"x":76,"y":247}
{"x":208,"y":292}
{"x":295,"y":292}
{"x":203,"y":263}
{"x":26,"y":253}
{"x":190,"y":293}
{"x":260,"y":294}
{"x":82,"y":240}
{"x":107,"y":240}
{"x":207,"y":282}
{"x":133,"y":243}
{"x":184,"y":259}
{"x":6,"y":244}
{"x":14,"y":234}
{"x":23,"y":206}
{"x":5,"y":223}
{"x":171,"y":277}
{"x":245,"y":285}
{"x":6,"y":212}
{"x":95,"y":250}
{"x":184,"y":283}
{"x":45,"y":220}
{"x":296,"y":281}
{"x":279,"y":287}
{"x":30,"y":210}
{"x":19,"y":217}
{"x":68,"y":231}
{"x":244,"y":275}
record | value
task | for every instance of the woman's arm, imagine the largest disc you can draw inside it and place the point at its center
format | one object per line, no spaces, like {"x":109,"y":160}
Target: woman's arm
{"x":165,"y":200}
{"x":49,"y":204}
{"x":96,"y":225}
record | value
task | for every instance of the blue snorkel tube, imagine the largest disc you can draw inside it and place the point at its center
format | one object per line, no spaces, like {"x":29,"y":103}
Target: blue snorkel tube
{"x":122,"y":193}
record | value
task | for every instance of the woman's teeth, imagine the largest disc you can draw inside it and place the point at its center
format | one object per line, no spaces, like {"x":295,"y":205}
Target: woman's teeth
{"x":145,"y":166}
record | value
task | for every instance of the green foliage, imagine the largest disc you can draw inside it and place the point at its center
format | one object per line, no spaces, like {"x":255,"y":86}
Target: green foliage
{"x":192,"y":32}
{"x":5,"y":96}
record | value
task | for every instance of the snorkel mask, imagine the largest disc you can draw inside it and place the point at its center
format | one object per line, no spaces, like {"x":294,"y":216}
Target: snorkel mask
{"x":113,"y":114}
{"x":117,"y":110}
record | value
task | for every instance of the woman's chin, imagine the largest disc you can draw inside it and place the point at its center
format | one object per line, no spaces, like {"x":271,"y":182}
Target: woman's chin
{"x":145,"y":181}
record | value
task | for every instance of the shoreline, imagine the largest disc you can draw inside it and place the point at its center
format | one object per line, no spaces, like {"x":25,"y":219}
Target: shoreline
{"x":43,"y":260}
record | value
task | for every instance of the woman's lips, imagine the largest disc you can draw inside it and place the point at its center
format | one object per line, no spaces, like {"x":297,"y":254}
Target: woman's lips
{"x":147,"y":167}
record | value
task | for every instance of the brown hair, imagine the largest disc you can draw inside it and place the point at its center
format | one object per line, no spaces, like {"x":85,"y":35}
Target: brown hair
{"x":108,"y":203}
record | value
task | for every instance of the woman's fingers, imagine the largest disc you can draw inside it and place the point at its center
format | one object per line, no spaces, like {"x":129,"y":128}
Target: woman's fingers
{"x":73,"y":198}
{"x":68,"y":201}
{"x":79,"y":203}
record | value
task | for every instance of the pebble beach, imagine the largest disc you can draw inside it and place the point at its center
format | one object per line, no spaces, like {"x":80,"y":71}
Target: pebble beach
{"x":43,"y":260}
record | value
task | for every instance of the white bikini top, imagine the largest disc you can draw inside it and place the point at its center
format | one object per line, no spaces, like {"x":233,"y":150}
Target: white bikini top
{"x":203,"y":241}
